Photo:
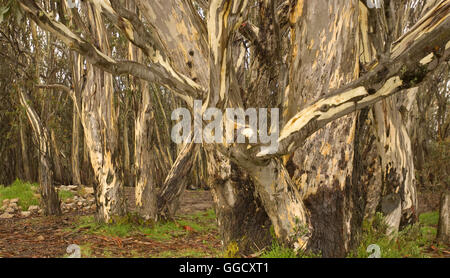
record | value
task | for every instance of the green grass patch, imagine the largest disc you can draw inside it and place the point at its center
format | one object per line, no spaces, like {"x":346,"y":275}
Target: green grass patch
{"x":161,"y":231}
{"x":25,"y":191}
{"x":411,"y":242}
{"x":279,"y":251}
{"x":429,"y":218}
{"x":65,"y":194}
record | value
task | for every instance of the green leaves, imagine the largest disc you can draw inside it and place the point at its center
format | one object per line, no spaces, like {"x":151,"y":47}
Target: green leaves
{"x":12,"y":8}
{"x":3,"y":12}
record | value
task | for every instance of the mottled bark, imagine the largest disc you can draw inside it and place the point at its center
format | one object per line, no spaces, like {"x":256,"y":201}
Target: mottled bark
{"x":241,"y":217}
{"x":443,"y":233}
{"x":101,"y":130}
{"x":145,"y":192}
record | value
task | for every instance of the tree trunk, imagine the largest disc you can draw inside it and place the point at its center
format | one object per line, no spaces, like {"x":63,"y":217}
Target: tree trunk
{"x":326,"y":57}
{"x":126,"y":144}
{"x":443,"y":233}
{"x":49,"y":197}
{"x":24,"y":151}
{"x":176,"y":181}
{"x":75,"y":150}
{"x":56,"y":161}
{"x":100,"y":129}
{"x":145,"y":191}
{"x":241,"y":217}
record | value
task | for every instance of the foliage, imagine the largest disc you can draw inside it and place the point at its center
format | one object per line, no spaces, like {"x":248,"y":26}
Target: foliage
{"x":277,"y":250}
{"x":434,"y":174}
{"x":26,"y":192}
{"x":232,"y":250}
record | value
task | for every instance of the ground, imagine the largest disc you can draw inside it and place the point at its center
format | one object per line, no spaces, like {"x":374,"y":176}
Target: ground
{"x":193,"y":233}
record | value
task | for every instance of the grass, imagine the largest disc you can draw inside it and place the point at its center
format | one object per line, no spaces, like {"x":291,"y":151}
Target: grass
{"x":65,"y":194}
{"x":161,"y":231}
{"x":278,"y":251}
{"x":412,"y":242}
{"x":25,"y":191}
{"x":201,"y":224}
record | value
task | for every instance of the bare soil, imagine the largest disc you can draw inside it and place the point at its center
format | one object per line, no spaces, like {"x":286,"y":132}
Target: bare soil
{"x":49,"y":236}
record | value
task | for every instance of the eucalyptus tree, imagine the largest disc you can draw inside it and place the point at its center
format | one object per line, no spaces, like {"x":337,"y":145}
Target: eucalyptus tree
{"x":333,"y":68}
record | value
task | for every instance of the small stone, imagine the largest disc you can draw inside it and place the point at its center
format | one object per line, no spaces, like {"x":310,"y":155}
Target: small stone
{"x":40,"y":238}
{"x":93,"y":207}
{"x":40,"y":211}
{"x":13,"y":206}
{"x":80,"y":203}
{"x":6,"y":202}
{"x":10,"y":210}
{"x":25,"y":213}
{"x":33,"y":208}
{"x":15,"y":200}
{"x":6,"y":216}
{"x":89,"y":190}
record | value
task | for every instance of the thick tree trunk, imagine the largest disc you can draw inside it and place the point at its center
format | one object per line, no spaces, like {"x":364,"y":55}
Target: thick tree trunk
{"x":443,"y":234}
{"x":126,"y":144}
{"x":327,"y":57}
{"x":100,"y":129}
{"x":241,"y":217}
{"x":145,"y":191}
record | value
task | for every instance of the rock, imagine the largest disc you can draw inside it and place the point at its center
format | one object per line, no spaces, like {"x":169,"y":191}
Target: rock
{"x":9,"y":210}
{"x":6,"y":216}
{"x":14,"y":206}
{"x":15,"y":201}
{"x":25,"y":213}
{"x":33,"y":208}
{"x":68,"y":200}
{"x":6,"y":202}
{"x":89,"y":190}
{"x":40,"y":238}
{"x":41,"y":211}
{"x":80,"y":203}
{"x":94,"y":207}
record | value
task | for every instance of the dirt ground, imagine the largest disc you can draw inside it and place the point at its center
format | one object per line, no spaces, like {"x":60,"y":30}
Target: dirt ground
{"x":42,"y":236}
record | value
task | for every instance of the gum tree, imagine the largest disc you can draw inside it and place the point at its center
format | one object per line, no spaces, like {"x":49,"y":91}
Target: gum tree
{"x":334,"y":68}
